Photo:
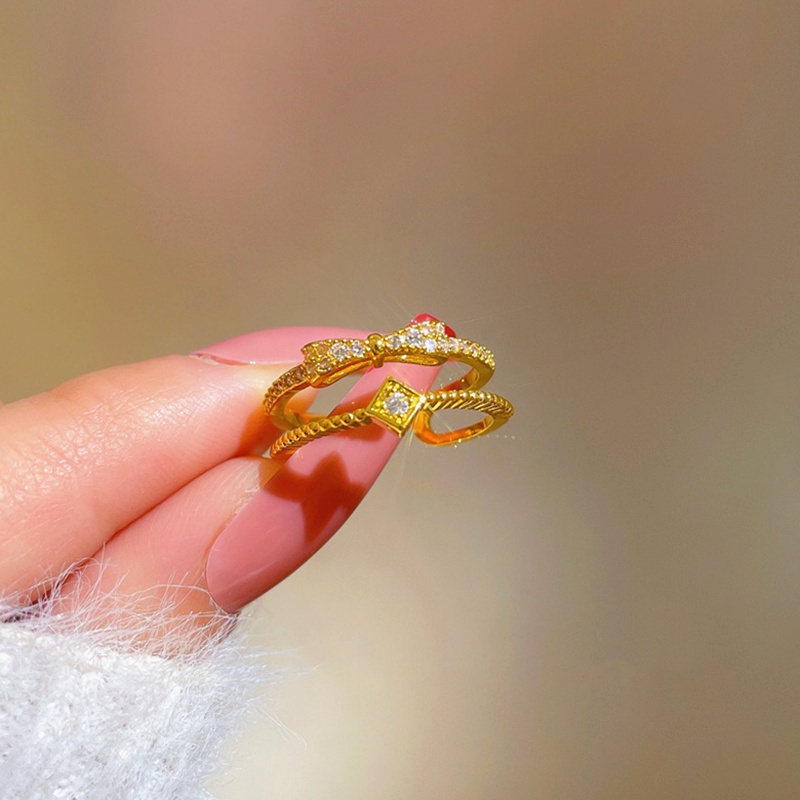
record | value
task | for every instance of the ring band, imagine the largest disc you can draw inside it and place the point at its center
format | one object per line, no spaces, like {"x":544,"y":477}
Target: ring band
{"x":497,"y":409}
{"x":427,"y":342}
{"x":397,"y":406}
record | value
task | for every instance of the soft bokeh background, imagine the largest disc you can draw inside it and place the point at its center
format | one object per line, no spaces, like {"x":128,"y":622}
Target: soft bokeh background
{"x":601,"y":601}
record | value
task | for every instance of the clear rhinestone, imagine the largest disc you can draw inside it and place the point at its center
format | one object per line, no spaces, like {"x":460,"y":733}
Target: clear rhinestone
{"x":397,"y":403}
{"x":357,"y":348}
{"x":429,"y":345}
{"x":414,"y":337}
{"x":324,"y":364}
{"x":396,"y":341}
{"x":340,"y":351}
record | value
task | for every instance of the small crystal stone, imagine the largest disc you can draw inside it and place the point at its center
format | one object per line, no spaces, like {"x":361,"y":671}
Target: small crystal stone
{"x":396,"y":403}
{"x":395,"y":341}
{"x":429,"y":345}
{"x":429,"y":318}
{"x":324,"y":364}
{"x":357,"y":348}
{"x":414,"y":337}
{"x":340,"y":351}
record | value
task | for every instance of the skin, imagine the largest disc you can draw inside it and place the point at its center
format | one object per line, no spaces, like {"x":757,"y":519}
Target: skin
{"x":145,"y":482}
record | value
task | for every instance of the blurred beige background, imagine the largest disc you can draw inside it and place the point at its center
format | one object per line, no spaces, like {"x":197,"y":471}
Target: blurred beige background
{"x":601,"y":601}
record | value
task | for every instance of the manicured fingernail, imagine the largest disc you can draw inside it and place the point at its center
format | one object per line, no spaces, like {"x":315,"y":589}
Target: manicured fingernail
{"x":272,"y":346}
{"x":306,"y":502}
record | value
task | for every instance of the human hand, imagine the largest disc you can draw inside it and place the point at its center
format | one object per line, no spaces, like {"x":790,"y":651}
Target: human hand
{"x":144,"y":483}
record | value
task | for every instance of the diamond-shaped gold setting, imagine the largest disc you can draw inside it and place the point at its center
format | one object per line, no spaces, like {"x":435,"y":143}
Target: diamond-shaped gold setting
{"x":395,"y":405}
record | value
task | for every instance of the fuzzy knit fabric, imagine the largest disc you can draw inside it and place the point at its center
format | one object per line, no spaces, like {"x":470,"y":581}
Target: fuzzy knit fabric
{"x":88,"y":713}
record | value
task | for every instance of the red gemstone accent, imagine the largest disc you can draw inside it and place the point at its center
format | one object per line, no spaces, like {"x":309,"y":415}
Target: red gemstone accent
{"x":430,"y":318}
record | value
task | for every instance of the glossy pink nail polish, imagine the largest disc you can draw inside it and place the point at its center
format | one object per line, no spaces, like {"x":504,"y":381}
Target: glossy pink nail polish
{"x":304,"y":504}
{"x":272,"y":346}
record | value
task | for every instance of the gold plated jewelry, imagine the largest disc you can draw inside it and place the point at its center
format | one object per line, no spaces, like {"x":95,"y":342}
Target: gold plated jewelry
{"x":397,"y":406}
{"x":426,"y":342}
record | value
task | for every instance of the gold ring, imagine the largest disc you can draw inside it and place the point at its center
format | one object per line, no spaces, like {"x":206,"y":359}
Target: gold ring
{"x":397,"y":406}
{"x":428,"y":342}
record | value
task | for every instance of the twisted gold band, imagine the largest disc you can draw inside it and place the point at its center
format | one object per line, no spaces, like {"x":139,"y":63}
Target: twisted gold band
{"x":497,"y":409}
{"x":396,"y":406}
{"x":429,"y":343}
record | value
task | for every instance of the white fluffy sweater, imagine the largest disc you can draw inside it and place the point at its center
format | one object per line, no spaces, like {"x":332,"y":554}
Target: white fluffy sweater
{"x":87,"y":714}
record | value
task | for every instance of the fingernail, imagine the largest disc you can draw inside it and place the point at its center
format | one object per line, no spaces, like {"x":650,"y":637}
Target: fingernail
{"x":306,"y":502}
{"x":272,"y":346}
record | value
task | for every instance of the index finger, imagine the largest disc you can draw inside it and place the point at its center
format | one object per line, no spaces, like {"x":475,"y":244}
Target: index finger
{"x":82,"y":461}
